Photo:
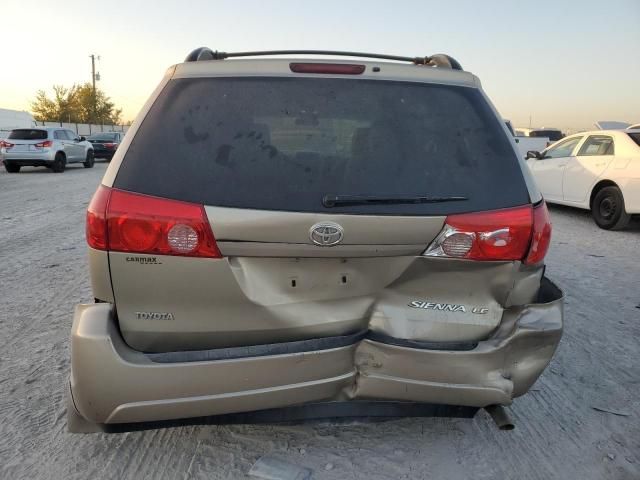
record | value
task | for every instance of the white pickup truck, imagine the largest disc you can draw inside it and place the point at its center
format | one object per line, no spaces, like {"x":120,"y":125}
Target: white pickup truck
{"x":536,"y":139}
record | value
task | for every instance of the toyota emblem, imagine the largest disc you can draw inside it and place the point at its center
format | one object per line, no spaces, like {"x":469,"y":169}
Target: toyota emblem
{"x":326,"y":234}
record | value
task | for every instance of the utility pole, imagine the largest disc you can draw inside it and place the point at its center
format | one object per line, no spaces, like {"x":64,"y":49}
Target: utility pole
{"x":94,"y":77}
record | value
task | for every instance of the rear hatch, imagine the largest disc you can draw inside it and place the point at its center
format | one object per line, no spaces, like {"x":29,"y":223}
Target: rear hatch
{"x":322,"y":194}
{"x":26,"y":140}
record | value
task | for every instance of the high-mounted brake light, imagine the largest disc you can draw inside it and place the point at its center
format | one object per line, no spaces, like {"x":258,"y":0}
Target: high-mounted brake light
{"x":45,"y":144}
{"x":330,"y":68}
{"x":129,"y":222}
{"x":520,"y":233}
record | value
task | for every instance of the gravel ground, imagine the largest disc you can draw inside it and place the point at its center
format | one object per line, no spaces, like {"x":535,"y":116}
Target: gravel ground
{"x":558,"y":435}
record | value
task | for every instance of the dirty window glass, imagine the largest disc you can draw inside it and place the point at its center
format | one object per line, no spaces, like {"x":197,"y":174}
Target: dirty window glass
{"x":284,"y":143}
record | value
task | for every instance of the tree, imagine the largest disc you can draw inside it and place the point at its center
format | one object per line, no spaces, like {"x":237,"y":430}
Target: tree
{"x":105,"y":109}
{"x":75,"y":105}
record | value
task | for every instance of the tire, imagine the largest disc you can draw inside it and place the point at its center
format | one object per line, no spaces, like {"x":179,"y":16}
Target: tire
{"x":90,"y":160}
{"x":59,"y":163}
{"x":608,"y":209}
{"x":11,"y":167}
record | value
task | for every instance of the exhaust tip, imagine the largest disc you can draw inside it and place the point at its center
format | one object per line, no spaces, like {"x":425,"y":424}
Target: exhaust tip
{"x":500,"y":417}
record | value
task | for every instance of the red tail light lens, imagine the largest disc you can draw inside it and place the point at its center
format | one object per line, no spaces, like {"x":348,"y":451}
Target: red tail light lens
{"x":96,"y":227}
{"x":520,"y":233}
{"x":109,"y":145}
{"x":143,"y":224}
{"x":4,"y":144}
{"x":331,"y":68}
{"x":45,"y":144}
{"x":541,"y":237}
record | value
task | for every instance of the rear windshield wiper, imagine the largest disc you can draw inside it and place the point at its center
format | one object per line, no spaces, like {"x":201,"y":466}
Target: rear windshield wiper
{"x":330,"y":201}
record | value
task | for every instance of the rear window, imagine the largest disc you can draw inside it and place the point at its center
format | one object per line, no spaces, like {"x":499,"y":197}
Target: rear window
{"x":107,"y":137}
{"x":28,"y":134}
{"x":285,"y":143}
{"x":635,"y":137}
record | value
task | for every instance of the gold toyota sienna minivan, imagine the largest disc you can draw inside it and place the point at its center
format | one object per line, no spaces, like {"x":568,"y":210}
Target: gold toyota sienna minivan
{"x":275,"y":231}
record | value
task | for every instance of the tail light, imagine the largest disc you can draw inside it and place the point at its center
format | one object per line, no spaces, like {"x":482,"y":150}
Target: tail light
{"x":109,"y":145}
{"x":129,"y":222}
{"x":541,"y":235}
{"x":520,"y":233}
{"x":45,"y":144}
{"x":4,"y":144}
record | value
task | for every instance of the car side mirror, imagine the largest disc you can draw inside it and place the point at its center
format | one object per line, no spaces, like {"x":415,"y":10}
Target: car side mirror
{"x":82,"y":139}
{"x":534,"y":154}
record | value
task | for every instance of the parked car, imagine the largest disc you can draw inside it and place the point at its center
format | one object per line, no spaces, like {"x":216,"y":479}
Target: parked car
{"x":553,"y":134}
{"x":105,"y":144}
{"x":315,"y":230}
{"x":50,"y":147}
{"x":597,"y":171}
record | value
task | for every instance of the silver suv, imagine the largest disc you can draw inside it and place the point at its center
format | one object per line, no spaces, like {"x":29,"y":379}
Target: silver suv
{"x":317,"y":230}
{"x":52,"y":147}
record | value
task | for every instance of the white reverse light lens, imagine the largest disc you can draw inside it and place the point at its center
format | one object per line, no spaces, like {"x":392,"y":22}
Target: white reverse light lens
{"x":457,"y":245}
{"x":182,"y":238}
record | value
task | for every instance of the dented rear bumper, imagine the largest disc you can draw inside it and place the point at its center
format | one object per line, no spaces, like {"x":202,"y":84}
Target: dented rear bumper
{"x":111,"y":383}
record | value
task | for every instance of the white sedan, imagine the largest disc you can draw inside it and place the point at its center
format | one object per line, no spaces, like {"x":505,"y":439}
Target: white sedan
{"x":597,"y":171}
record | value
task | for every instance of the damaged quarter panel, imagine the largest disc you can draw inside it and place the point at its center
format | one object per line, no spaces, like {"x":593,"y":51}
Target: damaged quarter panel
{"x":498,"y":369}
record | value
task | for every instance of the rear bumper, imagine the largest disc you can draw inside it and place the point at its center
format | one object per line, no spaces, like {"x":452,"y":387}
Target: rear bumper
{"x":111,"y":383}
{"x":100,"y":153}
{"x":30,"y":159}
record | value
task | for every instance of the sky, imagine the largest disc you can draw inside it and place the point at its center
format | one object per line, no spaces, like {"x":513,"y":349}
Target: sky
{"x":560,"y":63}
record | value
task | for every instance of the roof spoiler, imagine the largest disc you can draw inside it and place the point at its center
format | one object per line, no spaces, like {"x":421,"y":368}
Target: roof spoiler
{"x":439,"y":60}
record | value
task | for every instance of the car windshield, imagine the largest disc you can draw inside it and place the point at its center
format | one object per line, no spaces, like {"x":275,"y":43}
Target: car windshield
{"x":103,"y":137}
{"x":28,"y":134}
{"x":284,"y":144}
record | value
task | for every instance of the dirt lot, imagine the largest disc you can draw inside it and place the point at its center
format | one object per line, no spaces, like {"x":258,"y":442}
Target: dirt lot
{"x":558,"y":434}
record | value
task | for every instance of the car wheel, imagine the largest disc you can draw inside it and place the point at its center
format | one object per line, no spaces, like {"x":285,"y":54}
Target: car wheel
{"x":608,"y":209}
{"x":59,"y":163}
{"x":88,"y":163}
{"x":11,"y":167}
